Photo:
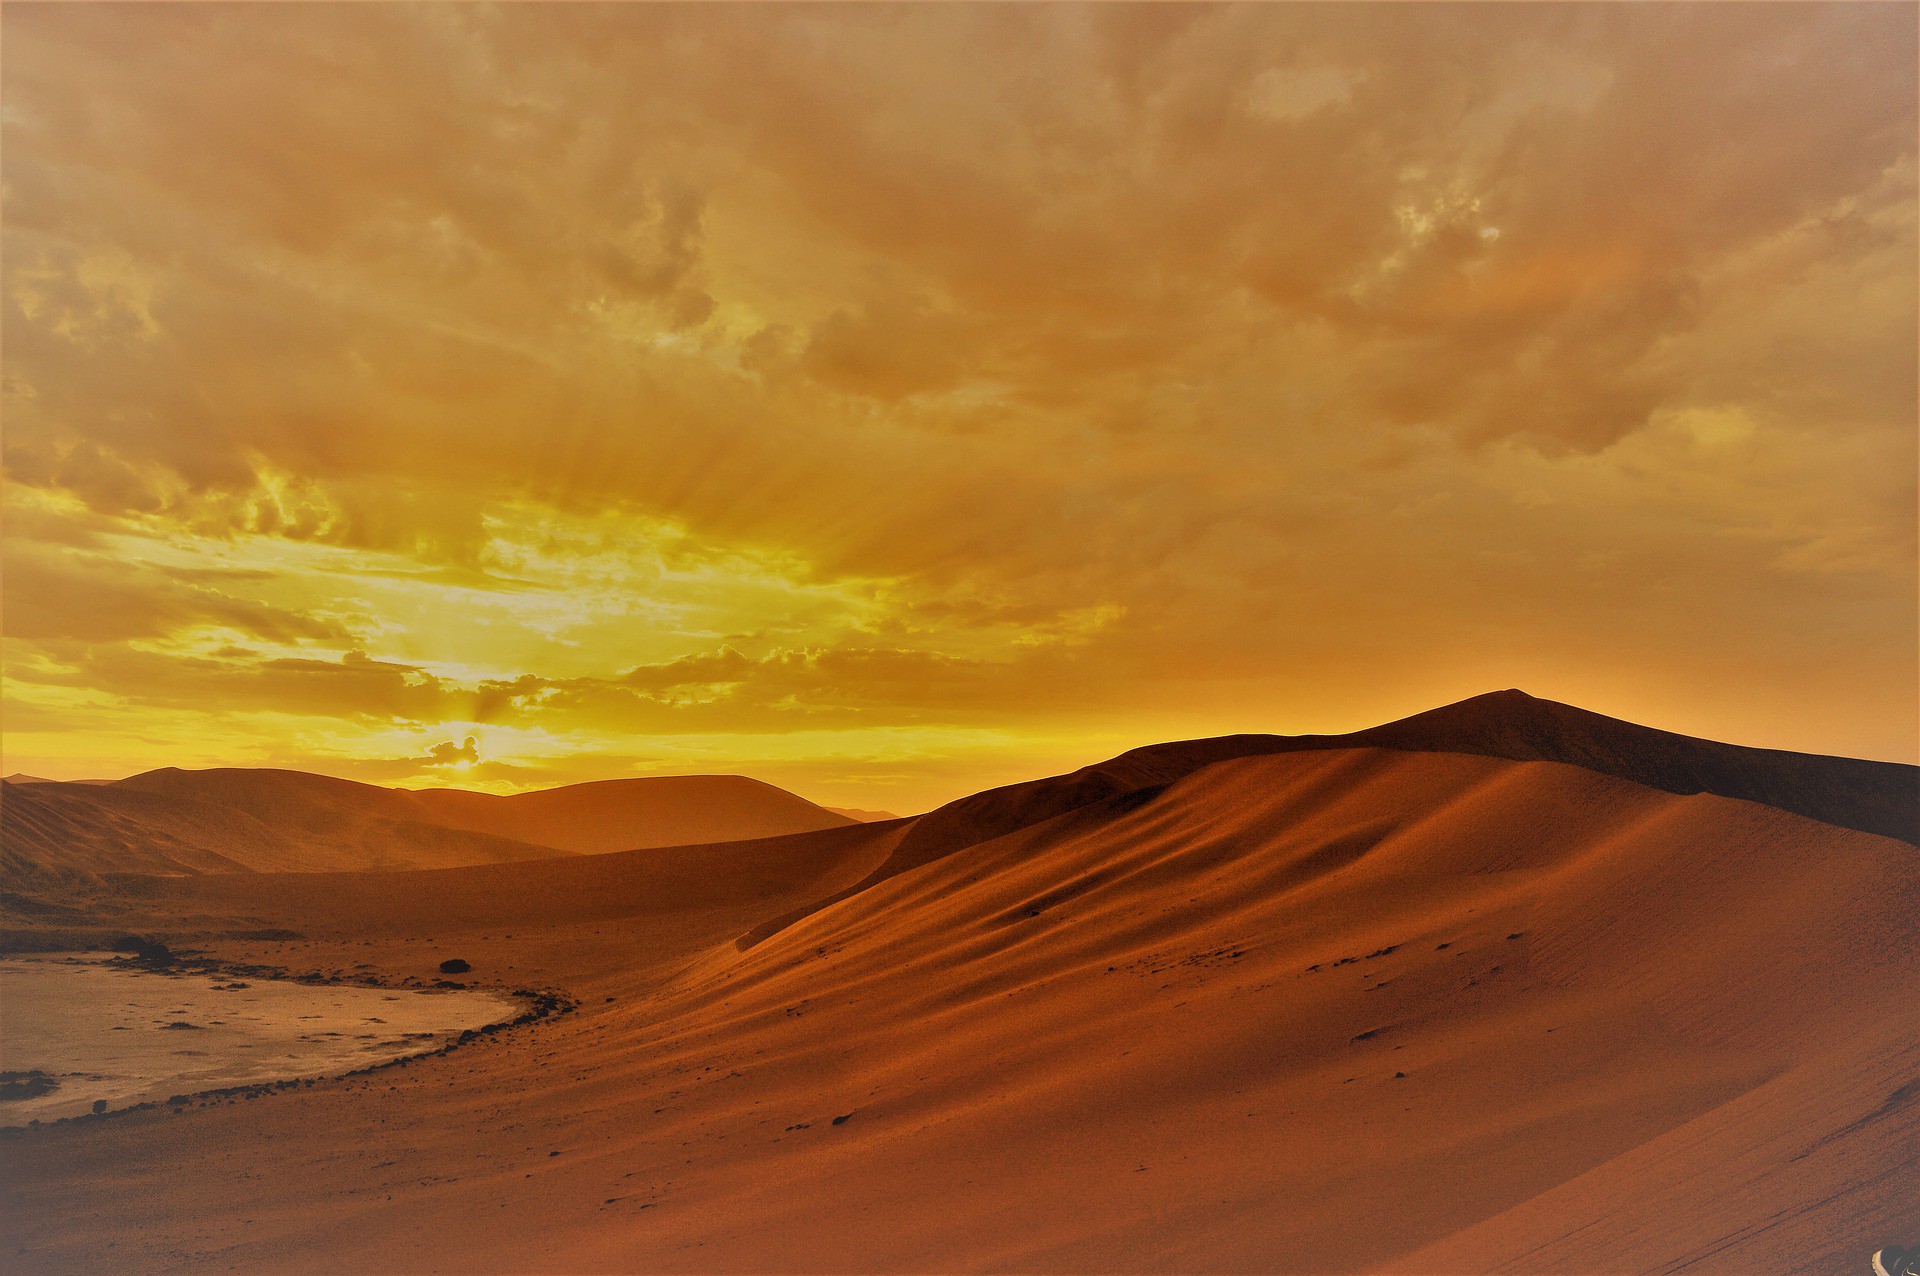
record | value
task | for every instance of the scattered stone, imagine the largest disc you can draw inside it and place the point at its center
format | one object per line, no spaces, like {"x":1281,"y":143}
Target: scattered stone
{"x":146,"y":952}
{"x":26,"y":1085}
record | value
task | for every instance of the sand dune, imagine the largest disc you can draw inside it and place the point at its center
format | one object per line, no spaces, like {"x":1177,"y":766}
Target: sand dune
{"x":58,"y":837}
{"x":865,"y":817}
{"x":1875,"y":797}
{"x":618,"y":815}
{"x":1319,"y":1010}
{"x":21,"y":777}
{"x":263,"y":820}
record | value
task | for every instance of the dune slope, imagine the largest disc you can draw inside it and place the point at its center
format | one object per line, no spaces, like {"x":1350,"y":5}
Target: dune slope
{"x":1312,"y":1011}
{"x":1873,"y":797}
{"x":55,"y":837}
{"x":58,"y":836}
{"x":618,"y":815}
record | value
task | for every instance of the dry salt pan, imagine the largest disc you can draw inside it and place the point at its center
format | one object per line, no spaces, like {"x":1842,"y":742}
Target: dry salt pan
{"x":86,"y":1034}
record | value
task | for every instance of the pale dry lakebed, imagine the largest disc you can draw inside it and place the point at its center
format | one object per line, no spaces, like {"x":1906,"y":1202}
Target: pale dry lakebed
{"x":79,"y":1031}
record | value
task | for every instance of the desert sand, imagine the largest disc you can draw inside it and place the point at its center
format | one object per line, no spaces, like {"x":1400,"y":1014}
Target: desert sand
{"x":1209,"y":1007}
{"x":239,"y":819}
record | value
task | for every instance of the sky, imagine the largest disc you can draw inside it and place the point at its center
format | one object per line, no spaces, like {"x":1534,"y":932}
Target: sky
{"x":888,"y":402}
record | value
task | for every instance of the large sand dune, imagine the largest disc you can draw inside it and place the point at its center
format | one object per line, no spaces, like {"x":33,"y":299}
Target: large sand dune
{"x":66,"y":835}
{"x":1317,"y":1010}
{"x":617,"y":815}
{"x":57,"y":836}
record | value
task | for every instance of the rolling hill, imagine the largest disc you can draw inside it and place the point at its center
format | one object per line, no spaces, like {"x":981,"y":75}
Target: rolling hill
{"x":223,"y":820}
{"x":618,"y":815}
{"x":64,"y":835}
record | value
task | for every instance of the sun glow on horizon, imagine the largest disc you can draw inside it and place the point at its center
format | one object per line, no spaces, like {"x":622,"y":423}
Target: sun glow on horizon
{"x":889,"y":404}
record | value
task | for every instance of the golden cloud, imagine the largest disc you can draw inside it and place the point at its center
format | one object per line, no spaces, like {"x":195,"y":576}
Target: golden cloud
{"x":1040,"y":375}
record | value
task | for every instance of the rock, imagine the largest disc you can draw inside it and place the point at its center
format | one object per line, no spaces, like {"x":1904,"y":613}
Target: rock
{"x":454,"y":966}
{"x":148,"y":952}
{"x":26,"y":1085}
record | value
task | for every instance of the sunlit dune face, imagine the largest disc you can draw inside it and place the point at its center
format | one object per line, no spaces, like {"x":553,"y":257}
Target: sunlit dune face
{"x":887,"y":402}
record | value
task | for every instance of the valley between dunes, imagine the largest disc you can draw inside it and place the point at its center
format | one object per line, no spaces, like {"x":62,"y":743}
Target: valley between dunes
{"x":1313,"y":1010}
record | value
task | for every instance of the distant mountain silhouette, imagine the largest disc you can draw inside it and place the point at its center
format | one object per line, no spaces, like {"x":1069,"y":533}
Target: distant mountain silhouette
{"x":21,"y":777}
{"x":864,"y":817}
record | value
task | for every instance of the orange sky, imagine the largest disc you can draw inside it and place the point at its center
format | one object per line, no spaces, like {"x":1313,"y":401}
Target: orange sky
{"x":887,"y":402}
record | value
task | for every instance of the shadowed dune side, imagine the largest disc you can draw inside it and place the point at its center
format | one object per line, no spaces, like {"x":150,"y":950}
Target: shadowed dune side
{"x":59,"y":838}
{"x":1854,"y":793}
{"x":619,"y":815}
{"x":291,"y":800}
{"x":569,"y":890}
{"x":1872,"y":797}
{"x":1296,"y":1013}
{"x":1588,"y":963}
{"x":62,"y":836}
{"x":48,"y":835}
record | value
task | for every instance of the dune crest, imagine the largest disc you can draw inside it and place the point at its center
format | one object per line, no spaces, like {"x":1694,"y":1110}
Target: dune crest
{"x":1873,"y":797}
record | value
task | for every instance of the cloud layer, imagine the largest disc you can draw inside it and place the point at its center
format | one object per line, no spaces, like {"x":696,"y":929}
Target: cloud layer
{"x":889,"y":400}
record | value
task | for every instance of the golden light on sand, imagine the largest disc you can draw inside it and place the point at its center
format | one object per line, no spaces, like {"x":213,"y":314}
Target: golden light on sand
{"x":897,"y":638}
